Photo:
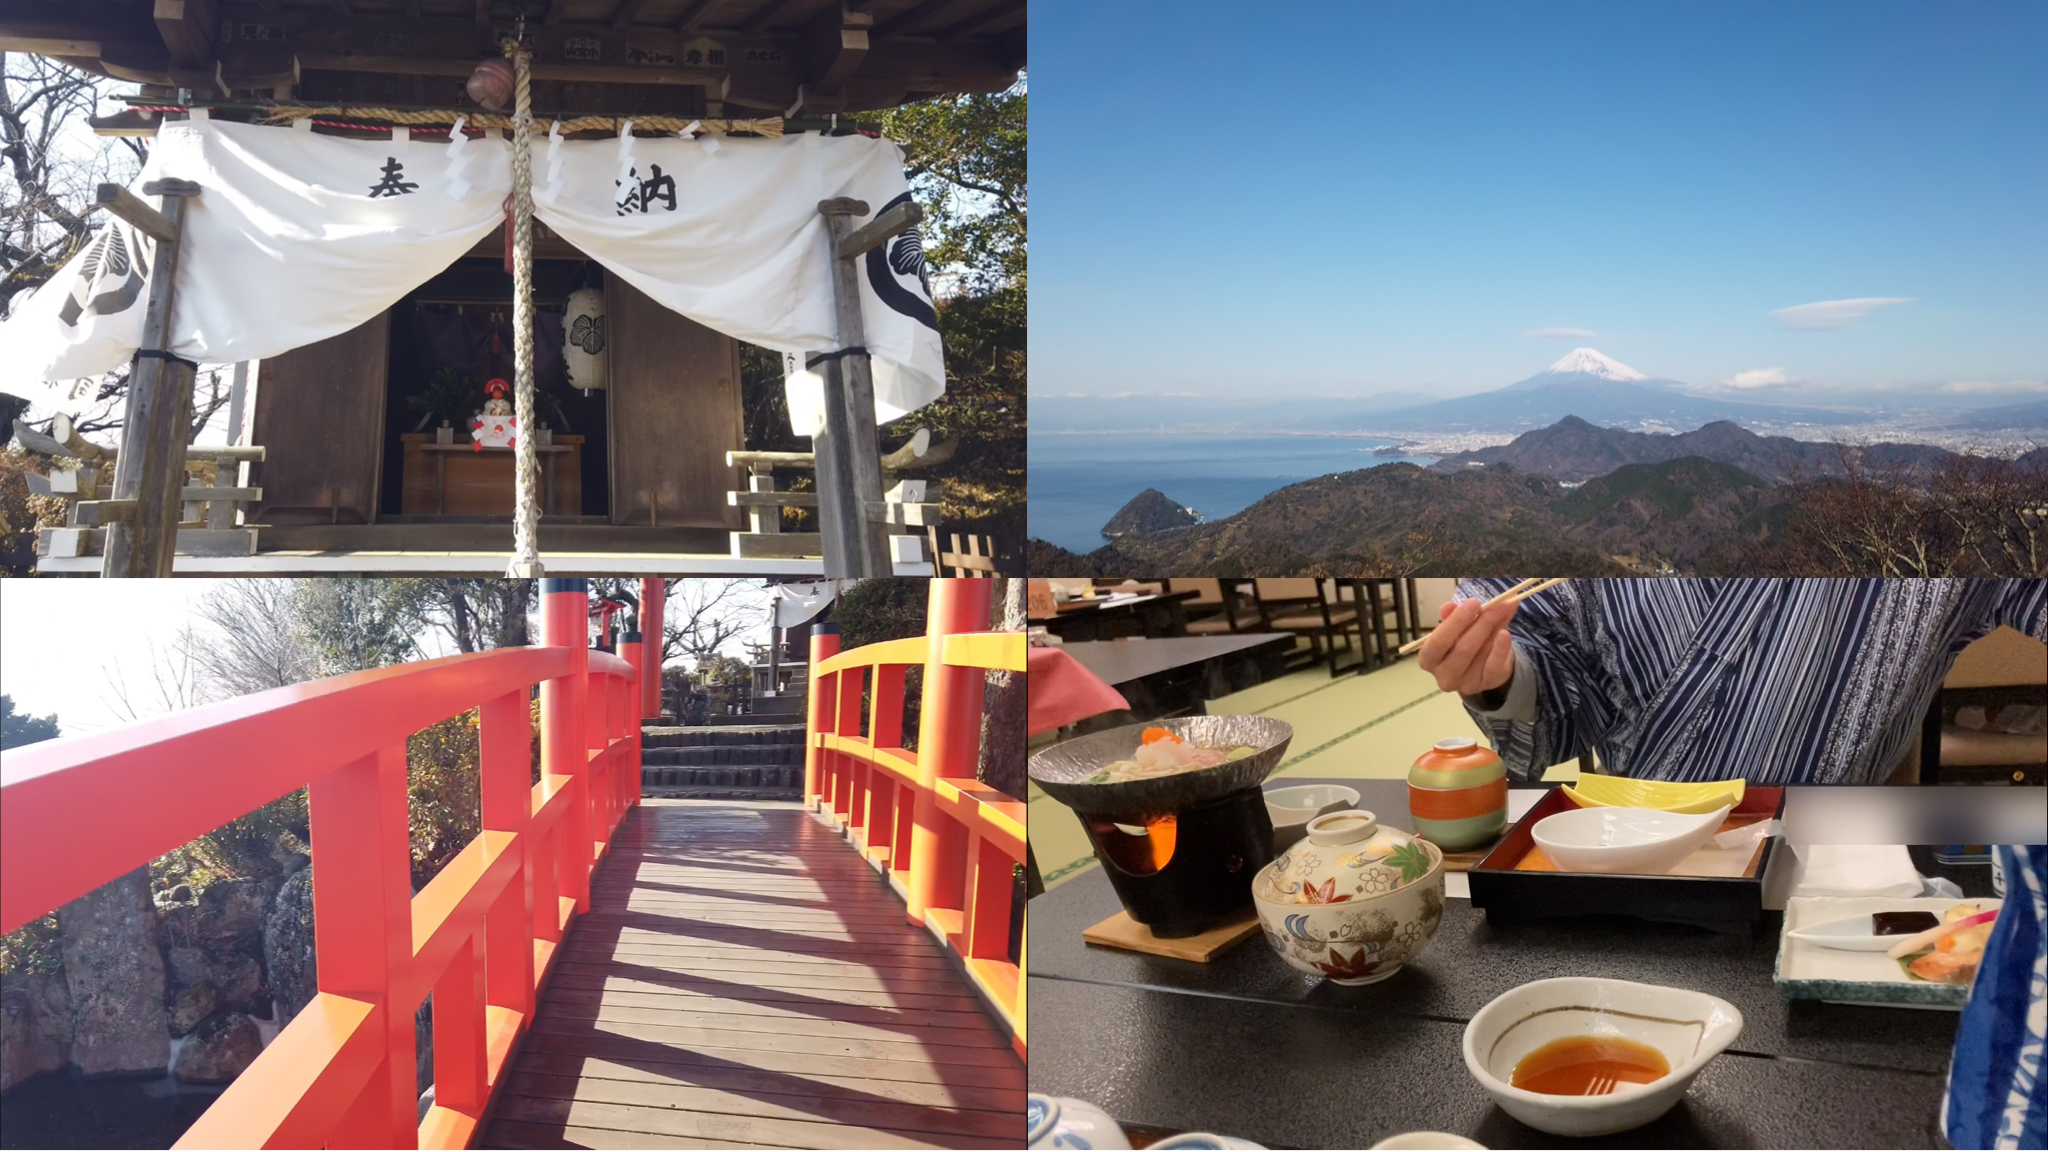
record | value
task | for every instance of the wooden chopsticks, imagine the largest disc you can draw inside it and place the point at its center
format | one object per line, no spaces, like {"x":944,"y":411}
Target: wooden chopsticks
{"x":1515,"y":595}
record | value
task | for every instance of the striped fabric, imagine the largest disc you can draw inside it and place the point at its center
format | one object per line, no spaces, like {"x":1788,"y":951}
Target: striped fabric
{"x":1774,"y":681}
{"x":1995,"y":1092}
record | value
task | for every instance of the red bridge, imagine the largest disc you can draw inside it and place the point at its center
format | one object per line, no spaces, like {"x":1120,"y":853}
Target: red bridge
{"x":605,"y":972}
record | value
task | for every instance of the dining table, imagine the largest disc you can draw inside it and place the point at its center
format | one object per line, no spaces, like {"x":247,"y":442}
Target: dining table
{"x":1179,"y":675}
{"x":1111,"y":614}
{"x":1246,"y":1046}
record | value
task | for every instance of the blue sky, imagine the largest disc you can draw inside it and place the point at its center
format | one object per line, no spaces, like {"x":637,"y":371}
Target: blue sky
{"x":1348,"y":198}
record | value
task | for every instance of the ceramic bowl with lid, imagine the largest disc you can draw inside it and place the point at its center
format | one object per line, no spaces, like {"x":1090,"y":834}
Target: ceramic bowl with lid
{"x":1458,"y":794}
{"x":1354,"y":901}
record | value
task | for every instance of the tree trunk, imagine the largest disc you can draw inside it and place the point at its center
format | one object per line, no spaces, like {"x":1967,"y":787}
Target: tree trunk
{"x":458,"y":607}
{"x":1002,"y":708}
{"x":515,"y":596}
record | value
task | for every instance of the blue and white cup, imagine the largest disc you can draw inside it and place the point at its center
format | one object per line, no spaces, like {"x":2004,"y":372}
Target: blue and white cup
{"x":1995,"y":1097}
{"x":1064,"y":1122}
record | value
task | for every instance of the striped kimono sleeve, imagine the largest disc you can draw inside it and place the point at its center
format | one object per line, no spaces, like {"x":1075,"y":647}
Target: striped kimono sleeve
{"x":2023,"y":604}
{"x":1572,"y":715}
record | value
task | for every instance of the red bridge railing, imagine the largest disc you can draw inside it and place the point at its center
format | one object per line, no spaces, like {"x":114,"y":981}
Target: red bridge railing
{"x":75,"y":814}
{"x":948,"y":843}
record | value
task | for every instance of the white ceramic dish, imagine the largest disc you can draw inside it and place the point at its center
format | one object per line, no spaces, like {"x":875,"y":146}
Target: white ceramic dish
{"x":1203,"y":1142}
{"x":1689,"y":1028}
{"x":1808,"y":970}
{"x":1438,"y":1140}
{"x":1849,"y":934}
{"x":1291,"y":809}
{"x":1064,"y":1122}
{"x":1638,"y":841}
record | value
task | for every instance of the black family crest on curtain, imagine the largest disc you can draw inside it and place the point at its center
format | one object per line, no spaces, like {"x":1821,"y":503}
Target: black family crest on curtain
{"x":897,"y":273}
{"x":109,"y":279}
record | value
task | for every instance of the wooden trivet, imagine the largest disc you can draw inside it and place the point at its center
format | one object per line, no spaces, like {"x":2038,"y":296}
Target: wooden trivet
{"x":1120,"y":931}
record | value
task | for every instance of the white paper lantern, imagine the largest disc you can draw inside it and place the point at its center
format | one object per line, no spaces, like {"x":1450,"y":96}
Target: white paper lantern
{"x":583,"y":338}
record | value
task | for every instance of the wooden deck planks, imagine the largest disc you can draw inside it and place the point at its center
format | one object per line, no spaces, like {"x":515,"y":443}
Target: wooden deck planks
{"x":743,"y":979}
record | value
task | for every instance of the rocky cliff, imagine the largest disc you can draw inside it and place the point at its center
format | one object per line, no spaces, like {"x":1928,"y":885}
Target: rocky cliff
{"x":1150,"y":511}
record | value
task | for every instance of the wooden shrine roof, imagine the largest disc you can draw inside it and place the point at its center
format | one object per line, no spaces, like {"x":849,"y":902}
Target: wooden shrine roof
{"x":701,"y":57}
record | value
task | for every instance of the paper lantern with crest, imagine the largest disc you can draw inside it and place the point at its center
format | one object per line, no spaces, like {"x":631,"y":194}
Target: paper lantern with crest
{"x":583,"y":338}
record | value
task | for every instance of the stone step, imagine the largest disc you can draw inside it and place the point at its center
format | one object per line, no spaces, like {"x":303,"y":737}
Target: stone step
{"x":702,"y":757}
{"x":774,"y":777}
{"x":699,"y":736}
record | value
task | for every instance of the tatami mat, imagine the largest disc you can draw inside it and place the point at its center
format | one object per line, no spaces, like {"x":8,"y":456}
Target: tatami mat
{"x":1362,"y":727}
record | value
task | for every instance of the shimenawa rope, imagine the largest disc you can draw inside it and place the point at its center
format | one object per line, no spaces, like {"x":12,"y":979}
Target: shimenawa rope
{"x":770,"y":127}
{"x":526,"y":521}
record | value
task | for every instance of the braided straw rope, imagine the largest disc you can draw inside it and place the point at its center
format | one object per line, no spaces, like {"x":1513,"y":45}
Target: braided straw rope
{"x":526,"y":521}
{"x":771,"y":127}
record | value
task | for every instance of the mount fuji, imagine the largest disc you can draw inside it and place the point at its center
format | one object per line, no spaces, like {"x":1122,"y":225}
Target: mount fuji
{"x":1587,"y":366}
{"x":1593,"y":387}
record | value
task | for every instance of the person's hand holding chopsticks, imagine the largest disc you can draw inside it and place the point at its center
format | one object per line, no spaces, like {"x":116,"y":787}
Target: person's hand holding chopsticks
{"x":1470,"y":652}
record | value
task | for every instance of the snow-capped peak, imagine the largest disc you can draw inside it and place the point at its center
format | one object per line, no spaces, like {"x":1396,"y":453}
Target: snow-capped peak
{"x":1592,"y":363}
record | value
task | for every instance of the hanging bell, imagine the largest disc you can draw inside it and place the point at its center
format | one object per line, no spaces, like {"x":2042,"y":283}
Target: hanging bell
{"x":583,"y":338}
{"x":491,"y":84}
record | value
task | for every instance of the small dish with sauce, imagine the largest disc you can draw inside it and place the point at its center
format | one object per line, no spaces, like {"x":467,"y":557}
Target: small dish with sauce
{"x":1581,"y":1056}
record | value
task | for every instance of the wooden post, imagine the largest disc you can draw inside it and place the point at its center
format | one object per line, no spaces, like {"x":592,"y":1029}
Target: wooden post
{"x":150,"y":468}
{"x":653,"y":620}
{"x":853,"y":547}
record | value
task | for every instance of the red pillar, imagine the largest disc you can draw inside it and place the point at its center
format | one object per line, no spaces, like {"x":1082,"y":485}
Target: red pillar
{"x":824,"y":646}
{"x":653,"y":605}
{"x":362,"y":929}
{"x":949,"y":735}
{"x":565,"y":623}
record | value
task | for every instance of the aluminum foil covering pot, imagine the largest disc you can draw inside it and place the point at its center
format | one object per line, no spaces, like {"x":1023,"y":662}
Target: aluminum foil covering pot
{"x":1062,"y":769}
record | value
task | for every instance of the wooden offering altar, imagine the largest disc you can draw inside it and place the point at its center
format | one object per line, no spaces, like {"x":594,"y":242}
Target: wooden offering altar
{"x":460,"y":479}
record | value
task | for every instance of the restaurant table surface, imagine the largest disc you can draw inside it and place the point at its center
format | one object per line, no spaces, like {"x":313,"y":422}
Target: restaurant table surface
{"x":1249,"y":1047}
{"x":1121,"y":661}
{"x":1112,"y":602}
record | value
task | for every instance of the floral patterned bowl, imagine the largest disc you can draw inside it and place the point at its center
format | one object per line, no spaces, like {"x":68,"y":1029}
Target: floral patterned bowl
{"x":1354,"y":901}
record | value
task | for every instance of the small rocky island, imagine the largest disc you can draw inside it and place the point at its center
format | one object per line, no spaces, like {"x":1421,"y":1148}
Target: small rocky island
{"x":1148,"y":512}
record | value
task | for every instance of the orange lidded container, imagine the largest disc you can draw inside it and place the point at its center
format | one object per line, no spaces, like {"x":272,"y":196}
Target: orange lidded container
{"x":1458,"y":794}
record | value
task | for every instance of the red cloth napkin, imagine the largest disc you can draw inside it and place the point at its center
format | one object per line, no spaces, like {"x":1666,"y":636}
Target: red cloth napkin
{"x":1063,"y":691}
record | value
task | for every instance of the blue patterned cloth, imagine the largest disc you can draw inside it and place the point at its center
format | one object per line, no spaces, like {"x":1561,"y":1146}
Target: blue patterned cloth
{"x":1995,"y":1093}
{"x":1775,"y":681}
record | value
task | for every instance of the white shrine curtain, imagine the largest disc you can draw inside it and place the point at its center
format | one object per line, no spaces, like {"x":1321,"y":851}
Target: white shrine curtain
{"x":297,"y":237}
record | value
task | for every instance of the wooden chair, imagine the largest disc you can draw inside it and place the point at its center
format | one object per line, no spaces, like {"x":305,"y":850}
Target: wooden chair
{"x":975,"y":558}
{"x":2003,"y":669}
{"x":1304,"y":607}
{"x":1217,"y":608}
{"x":1383,"y":611}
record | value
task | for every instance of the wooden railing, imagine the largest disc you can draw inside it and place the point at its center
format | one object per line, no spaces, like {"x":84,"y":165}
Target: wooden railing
{"x":947,"y":843}
{"x":75,"y":814}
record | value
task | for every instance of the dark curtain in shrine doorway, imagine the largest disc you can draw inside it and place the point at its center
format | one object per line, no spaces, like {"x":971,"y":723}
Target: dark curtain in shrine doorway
{"x":476,"y":340}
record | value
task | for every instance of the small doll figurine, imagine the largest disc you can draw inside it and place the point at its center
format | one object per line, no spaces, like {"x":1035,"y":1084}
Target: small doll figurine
{"x":495,"y":426}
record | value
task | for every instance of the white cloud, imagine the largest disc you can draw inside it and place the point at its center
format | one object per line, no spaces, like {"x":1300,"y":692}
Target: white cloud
{"x":1829,"y":315}
{"x":1559,"y":334}
{"x":1148,"y":395}
{"x":2022,"y":387}
{"x":1762,"y":378}
{"x":1075,"y":395}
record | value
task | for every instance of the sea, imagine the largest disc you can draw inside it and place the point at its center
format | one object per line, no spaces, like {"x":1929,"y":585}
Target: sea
{"x":1079,"y":480}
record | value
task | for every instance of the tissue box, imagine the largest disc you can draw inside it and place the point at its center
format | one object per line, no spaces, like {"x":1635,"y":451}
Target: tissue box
{"x":1508,"y":891}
